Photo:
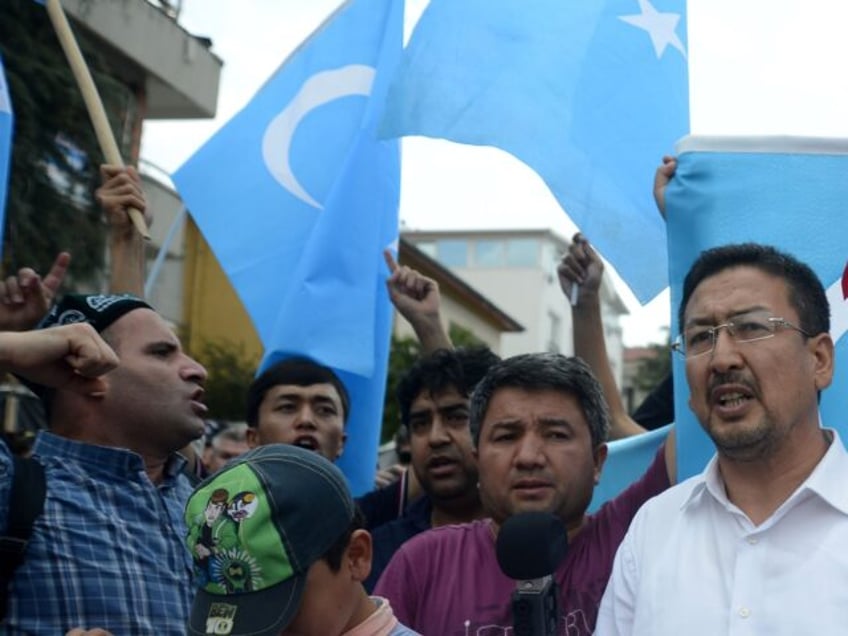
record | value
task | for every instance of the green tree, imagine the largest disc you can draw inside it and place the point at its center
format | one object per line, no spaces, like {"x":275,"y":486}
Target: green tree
{"x":55,"y":157}
{"x":652,"y":369}
{"x":462,"y":337}
{"x":402,"y":355}
{"x":230,"y":374}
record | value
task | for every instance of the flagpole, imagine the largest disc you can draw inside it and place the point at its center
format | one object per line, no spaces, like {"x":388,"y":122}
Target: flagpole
{"x":93,"y":103}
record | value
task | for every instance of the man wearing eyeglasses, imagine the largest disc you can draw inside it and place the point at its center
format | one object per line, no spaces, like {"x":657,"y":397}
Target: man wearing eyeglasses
{"x":756,"y":543}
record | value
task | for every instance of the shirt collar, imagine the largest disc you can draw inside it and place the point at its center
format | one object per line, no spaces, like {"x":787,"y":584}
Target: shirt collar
{"x":106,"y":459}
{"x":830,"y":476}
{"x":705,"y":482}
{"x":827,"y":480}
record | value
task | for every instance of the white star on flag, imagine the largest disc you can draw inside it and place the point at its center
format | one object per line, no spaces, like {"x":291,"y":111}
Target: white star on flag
{"x":660,"y":26}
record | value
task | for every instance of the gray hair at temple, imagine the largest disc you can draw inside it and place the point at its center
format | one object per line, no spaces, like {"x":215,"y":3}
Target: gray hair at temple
{"x":544,"y":371}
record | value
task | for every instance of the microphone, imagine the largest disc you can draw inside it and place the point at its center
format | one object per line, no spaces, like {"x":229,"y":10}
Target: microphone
{"x":529,"y":548}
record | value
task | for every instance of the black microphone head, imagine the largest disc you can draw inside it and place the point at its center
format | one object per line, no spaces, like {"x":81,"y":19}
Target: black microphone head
{"x":531,"y":545}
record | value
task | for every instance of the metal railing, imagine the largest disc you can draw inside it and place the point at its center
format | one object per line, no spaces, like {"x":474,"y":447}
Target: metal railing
{"x":170,"y":8}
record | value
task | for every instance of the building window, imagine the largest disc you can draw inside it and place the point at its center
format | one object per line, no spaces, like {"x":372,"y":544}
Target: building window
{"x":488,"y":253}
{"x":452,"y":252}
{"x":522,"y":253}
{"x":428,"y":247}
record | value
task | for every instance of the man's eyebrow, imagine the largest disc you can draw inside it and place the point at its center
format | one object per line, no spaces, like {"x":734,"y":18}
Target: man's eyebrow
{"x":324,"y":399}
{"x":507,"y":423}
{"x":287,"y":396}
{"x":555,"y":422}
{"x":449,"y":408}
{"x":170,"y":345}
{"x":706,"y":321}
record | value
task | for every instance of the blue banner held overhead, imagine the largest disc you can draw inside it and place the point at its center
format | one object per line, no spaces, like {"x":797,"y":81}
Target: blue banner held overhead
{"x":780,"y":191}
{"x":627,"y":461}
{"x":298,"y":198}
{"x":6,"y":130}
{"x":590,"y":94}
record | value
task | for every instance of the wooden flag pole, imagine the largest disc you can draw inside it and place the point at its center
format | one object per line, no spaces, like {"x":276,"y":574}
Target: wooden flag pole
{"x":105,"y":137}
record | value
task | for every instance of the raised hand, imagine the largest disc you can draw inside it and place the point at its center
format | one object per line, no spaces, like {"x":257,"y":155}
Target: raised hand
{"x":413,"y":294}
{"x":70,"y":357}
{"x":26,"y":298}
{"x":582,"y":266}
{"x":417,"y":299}
{"x":121,"y":190}
{"x":664,"y":174}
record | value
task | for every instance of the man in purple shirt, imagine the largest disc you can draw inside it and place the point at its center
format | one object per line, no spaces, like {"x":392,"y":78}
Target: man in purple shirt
{"x":539,"y":422}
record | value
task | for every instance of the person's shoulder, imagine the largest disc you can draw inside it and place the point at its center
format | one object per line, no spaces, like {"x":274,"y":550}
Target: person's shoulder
{"x":445,"y":537}
{"x":439,"y":552}
{"x":668,"y":503}
{"x":381,"y":505}
{"x":461,"y":531}
{"x":399,"y":528}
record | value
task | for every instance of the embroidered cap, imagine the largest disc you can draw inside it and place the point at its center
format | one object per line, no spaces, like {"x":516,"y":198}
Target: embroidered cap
{"x":98,"y":310}
{"x":254,"y":529}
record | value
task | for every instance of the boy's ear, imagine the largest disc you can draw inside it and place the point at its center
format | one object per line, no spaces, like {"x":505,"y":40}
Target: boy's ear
{"x":358,"y":555}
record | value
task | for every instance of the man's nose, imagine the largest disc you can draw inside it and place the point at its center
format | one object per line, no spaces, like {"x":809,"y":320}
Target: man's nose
{"x":438,"y":433}
{"x":530,"y":451}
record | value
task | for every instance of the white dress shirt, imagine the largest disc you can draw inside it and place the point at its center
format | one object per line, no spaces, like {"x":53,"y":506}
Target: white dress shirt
{"x":693,"y":563}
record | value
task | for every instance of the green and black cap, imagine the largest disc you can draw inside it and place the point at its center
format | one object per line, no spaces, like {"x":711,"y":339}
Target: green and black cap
{"x":254,"y":529}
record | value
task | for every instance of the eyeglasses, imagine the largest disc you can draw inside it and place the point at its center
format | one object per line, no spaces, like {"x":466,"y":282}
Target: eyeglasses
{"x":698,"y":340}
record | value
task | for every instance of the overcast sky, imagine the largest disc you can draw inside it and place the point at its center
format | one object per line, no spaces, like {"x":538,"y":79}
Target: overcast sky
{"x":756,"y":67}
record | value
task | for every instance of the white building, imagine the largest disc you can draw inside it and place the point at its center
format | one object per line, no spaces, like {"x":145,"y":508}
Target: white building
{"x":516,"y":269}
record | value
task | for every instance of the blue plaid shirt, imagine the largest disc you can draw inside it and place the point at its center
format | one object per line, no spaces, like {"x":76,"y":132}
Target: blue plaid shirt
{"x":108,"y":551}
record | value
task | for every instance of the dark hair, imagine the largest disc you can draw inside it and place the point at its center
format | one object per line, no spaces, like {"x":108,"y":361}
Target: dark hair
{"x":459,"y":369}
{"x":334,"y":555}
{"x":539,"y":371}
{"x":297,"y":372}
{"x":806,"y":293}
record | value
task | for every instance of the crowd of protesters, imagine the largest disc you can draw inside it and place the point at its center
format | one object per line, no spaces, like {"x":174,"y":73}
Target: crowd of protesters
{"x":119,"y":524}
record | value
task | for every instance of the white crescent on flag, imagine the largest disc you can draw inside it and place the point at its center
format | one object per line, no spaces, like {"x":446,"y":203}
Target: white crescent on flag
{"x":319,"y":89}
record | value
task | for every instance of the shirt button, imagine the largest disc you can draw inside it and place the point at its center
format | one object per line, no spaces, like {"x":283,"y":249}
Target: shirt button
{"x":744,"y":612}
{"x":753,"y":540}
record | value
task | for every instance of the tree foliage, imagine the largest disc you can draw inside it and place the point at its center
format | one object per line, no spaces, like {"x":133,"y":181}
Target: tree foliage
{"x":402,"y":355}
{"x":230,"y":374}
{"x":55,"y":158}
{"x":652,"y":369}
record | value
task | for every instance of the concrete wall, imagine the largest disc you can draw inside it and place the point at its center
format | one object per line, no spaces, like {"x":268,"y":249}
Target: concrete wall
{"x":455,"y":312}
{"x":179,"y":72}
{"x":168,"y":289}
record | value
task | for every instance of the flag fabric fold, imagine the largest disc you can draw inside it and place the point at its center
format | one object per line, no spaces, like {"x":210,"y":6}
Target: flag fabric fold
{"x":627,"y":461}
{"x":6,"y":131}
{"x":781,"y":191}
{"x":297,"y":198}
{"x":589,"y":94}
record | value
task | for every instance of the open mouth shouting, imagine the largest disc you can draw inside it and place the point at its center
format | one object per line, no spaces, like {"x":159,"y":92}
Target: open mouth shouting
{"x":306,"y":441}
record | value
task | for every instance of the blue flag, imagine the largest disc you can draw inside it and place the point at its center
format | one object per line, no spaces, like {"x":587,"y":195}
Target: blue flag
{"x":588,"y":93}
{"x":6,"y":129}
{"x":785,"y":192}
{"x":627,"y":461}
{"x":298,"y":198}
